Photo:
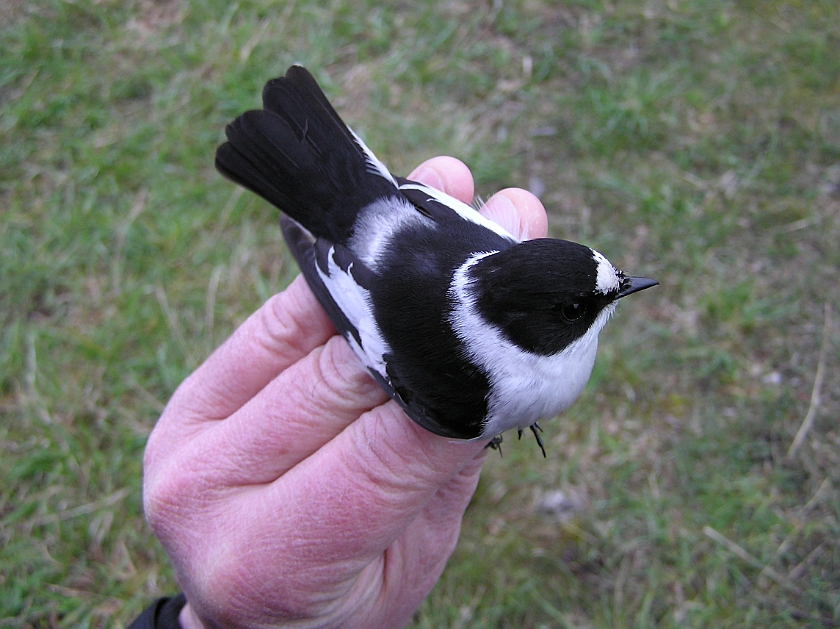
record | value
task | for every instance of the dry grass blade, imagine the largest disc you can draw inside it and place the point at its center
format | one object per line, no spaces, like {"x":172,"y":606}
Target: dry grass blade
{"x":174,"y":325}
{"x":808,"y":422}
{"x":84,"y":509}
{"x":742,"y":554}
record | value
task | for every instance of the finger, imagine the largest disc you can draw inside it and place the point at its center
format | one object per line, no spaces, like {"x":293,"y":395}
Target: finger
{"x":345,"y":505}
{"x":286,"y":328}
{"x":383,"y":469}
{"x":382,"y":591}
{"x":519,"y":212}
{"x":448,"y":174}
{"x":411,"y":566}
{"x":293,"y":416}
{"x":414,"y":563}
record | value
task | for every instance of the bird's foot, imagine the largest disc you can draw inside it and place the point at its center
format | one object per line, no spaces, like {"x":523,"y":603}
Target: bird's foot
{"x":495,"y":444}
{"x":537,"y":429}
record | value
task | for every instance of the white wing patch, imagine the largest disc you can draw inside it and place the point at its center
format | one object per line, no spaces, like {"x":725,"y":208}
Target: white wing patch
{"x":354,"y":302}
{"x":524,"y":387}
{"x":377,"y":224}
{"x":462,"y":209}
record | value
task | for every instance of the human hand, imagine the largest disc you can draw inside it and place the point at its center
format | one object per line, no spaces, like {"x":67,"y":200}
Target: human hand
{"x":286,"y":488}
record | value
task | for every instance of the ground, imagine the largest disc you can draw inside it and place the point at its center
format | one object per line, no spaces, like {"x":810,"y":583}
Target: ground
{"x":694,"y":484}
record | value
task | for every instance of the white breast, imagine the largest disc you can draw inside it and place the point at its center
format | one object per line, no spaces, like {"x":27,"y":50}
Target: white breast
{"x":524,"y":387}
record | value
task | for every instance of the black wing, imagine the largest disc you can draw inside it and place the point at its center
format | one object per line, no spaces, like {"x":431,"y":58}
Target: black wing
{"x":341,"y":283}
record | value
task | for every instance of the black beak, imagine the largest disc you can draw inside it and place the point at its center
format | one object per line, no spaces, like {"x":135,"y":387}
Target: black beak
{"x":630,"y":285}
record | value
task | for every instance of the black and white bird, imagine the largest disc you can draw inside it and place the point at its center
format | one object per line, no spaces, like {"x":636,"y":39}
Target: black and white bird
{"x":470,"y":330}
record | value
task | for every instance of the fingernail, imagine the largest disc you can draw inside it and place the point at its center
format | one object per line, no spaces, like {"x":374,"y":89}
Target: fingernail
{"x":502,"y":210}
{"x":429,"y":177}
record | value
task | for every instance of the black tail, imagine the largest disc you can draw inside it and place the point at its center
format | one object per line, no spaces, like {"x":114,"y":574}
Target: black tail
{"x":300,"y":156}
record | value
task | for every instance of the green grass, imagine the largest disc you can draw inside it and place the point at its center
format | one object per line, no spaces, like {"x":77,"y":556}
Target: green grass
{"x":695,"y":142}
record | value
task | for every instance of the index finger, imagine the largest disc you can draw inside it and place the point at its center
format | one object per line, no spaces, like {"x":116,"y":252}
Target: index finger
{"x":517,"y":210}
{"x":282,"y":331}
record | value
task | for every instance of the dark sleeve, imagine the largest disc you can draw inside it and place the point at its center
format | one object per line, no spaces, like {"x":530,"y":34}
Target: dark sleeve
{"x":162,"y":614}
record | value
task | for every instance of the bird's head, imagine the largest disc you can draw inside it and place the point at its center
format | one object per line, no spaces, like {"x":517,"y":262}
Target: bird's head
{"x":544,"y":294}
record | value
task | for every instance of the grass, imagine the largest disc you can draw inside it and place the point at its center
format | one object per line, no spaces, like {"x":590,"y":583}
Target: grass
{"x":695,"y":142}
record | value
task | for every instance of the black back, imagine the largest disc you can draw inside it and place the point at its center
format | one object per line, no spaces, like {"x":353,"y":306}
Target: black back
{"x":439,"y":388}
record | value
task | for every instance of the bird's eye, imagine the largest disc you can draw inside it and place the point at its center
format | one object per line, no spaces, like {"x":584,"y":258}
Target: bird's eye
{"x":572,"y":312}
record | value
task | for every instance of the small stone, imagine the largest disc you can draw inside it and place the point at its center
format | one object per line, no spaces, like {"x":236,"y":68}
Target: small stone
{"x":558,"y":504}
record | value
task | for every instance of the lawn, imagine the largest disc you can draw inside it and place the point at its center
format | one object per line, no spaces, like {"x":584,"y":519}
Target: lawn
{"x":694,"y":142}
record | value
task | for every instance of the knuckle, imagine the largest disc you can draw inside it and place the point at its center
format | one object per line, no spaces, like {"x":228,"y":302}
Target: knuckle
{"x":344,"y":380}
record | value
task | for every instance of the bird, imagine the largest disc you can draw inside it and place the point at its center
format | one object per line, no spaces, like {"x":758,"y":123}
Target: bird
{"x":470,"y":330}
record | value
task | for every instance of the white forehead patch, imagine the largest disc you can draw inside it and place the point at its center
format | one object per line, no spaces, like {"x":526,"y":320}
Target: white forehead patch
{"x":607,"y":280}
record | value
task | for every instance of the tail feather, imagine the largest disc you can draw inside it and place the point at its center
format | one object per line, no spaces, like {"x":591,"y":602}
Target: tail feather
{"x":299,"y":86}
{"x":256,"y":157}
{"x":299,"y":155}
